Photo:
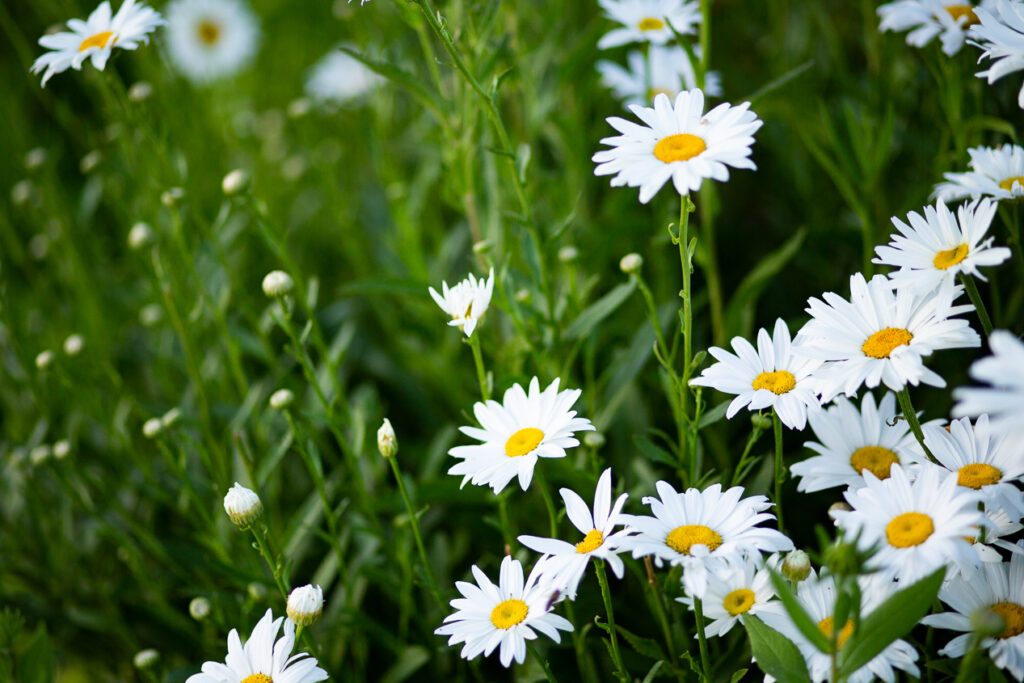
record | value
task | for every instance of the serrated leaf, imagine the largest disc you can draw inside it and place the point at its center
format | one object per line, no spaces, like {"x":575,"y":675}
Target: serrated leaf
{"x":400,"y":77}
{"x":798,"y":614}
{"x":775,"y":653}
{"x":645,"y":646}
{"x":599,"y":310}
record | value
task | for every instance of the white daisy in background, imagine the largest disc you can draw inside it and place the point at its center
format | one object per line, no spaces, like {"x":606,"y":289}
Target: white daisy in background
{"x":466,"y":302}
{"x":96,"y":37}
{"x":940,"y":245}
{"x":567,"y":562}
{"x":704,"y":531}
{"x":987,"y":544}
{"x":1003,"y":401}
{"x":769,"y":376}
{"x":516,"y":432}
{"x":853,"y":442}
{"x":926,"y":19}
{"x":679,"y":142}
{"x":664,"y":70}
{"x":645,"y":20}
{"x":999,"y":588}
{"x":263,"y":658}
{"x":507,"y":614}
{"x":817,"y":595}
{"x":339,"y":77}
{"x":744,"y":588}
{"x":996,"y":172}
{"x":211,"y":39}
{"x":1000,"y":34}
{"x":918,"y":526}
{"x":882,"y":336}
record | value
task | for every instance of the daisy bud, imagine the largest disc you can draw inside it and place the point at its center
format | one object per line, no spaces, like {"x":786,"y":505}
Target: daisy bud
{"x":150,"y":314}
{"x":298,"y":108}
{"x":44,"y":359}
{"x":568,"y":254}
{"x":305,"y":604}
{"x":523,"y":295}
{"x":277,"y":283}
{"x":593,"y":439}
{"x":199,"y":608}
{"x":40,"y":454}
{"x":22,"y":192}
{"x":171,"y":196}
{"x":146,"y":659}
{"x":170,"y":417}
{"x":243,"y":506}
{"x":39,"y":246}
{"x":234,"y":182}
{"x":61,"y":449}
{"x":35,"y":158}
{"x":631,"y":264}
{"x":140,"y":91}
{"x":281,"y":399}
{"x":796,"y":566}
{"x":482,"y":247}
{"x":987,"y":623}
{"x":90,"y":161}
{"x":257,"y":591}
{"x":152,"y":427}
{"x":73,"y":344}
{"x":387,"y":443}
{"x":139,"y":236}
{"x":761,"y":421}
{"x":838,"y":507}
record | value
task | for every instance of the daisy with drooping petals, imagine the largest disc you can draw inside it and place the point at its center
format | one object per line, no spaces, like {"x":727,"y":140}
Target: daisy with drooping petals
{"x":769,"y":376}
{"x":852,"y":442}
{"x":96,"y":37}
{"x":507,"y":614}
{"x":211,"y":39}
{"x":516,"y":432}
{"x":567,"y":562}
{"x":1000,"y":33}
{"x":881,"y":336}
{"x":648,"y":20}
{"x":339,"y":78}
{"x":999,"y":588}
{"x":926,"y":19}
{"x":704,"y":531}
{"x":664,"y":70}
{"x":744,"y":588}
{"x":263,"y":659}
{"x":938,"y":246}
{"x":466,"y":302}
{"x":917,"y":526}
{"x":1003,"y":401}
{"x":996,"y":172}
{"x":679,"y":142}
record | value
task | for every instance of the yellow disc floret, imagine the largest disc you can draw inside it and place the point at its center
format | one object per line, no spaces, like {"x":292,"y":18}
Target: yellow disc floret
{"x":682,"y":538}
{"x":978,"y":474}
{"x":738,"y":601}
{"x":99,"y":40}
{"x":591,"y":542}
{"x":882,"y":343}
{"x":950,"y":257}
{"x":957,"y":11}
{"x":875,"y":459}
{"x":1008,"y":183}
{"x":778,"y":382}
{"x":909,"y":529}
{"x":1013,"y":618}
{"x":509,"y":613}
{"x":827,"y":628}
{"x":258,"y":678}
{"x":523,"y":441}
{"x":209,"y":32}
{"x":678,"y":147}
{"x":650,"y":24}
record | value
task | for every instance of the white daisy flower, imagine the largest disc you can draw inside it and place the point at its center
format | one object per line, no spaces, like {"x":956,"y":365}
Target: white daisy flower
{"x":1000,"y":34}
{"x":516,"y":432}
{"x":817,"y":595}
{"x":918,"y":526}
{"x":507,"y":614}
{"x":645,"y":20}
{"x":926,"y":19}
{"x":263,"y":659}
{"x":704,"y":531}
{"x":1003,"y":401}
{"x":566,"y":561}
{"x":96,"y":37}
{"x":882,"y":336}
{"x":679,"y":142}
{"x":211,"y":39}
{"x":744,"y":588}
{"x":987,"y":545}
{"x":466,"y":302}
{"x":998,"y":587}
{"x":853,"y":442}
{"x":938,"y":246}
{"x":769,"y":376}
{"x":996,"y":172}
{"x":664,"y":70}
{"x":339,"y":77}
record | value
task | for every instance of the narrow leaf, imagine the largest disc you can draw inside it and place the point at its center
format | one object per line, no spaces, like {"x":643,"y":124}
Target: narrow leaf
{"x":775,"y":653}
{"x":799,"y":615}
{"x":599,"y":310}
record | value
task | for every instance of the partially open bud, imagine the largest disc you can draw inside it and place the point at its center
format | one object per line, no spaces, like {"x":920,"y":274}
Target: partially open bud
{"x":234,"y":182}
{"x":146,"y":659}
{"x":796,"y":566}
{"x":243,"y":506}
{"x":305,"y":604}
{"x":281,"y":399}
{"x":387,"y":442}
{"x":199,"y":608}
{"x":277,"y":283}
{"x":631,"y":263}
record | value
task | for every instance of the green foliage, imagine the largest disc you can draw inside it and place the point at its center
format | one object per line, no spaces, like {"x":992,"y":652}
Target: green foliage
{"x":775,"y":653}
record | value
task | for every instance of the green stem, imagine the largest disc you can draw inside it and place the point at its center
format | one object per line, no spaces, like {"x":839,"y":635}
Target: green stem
{"x":481,"y":372}
{"x":686,"y":266}
{"x":652,"y":315}
{"x":755,"y":434}
{"x":780,"y":470}
{"x":702,"y":639}
{"x":543,"y":662}
{"x":545,"y":493}
{"x":659,"y":609}
{"x":602,"y":579}
{"x":506,"y":525}
{"x":264,"y":547}
{"x":966,"y":671}
{"x":414,"y":522}
{"x":979,"y":306}
{"x":915,"y":426}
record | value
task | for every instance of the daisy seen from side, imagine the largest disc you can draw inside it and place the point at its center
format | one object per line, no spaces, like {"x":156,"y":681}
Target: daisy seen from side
{"x":1000,"y":34}
{"x":209,"y":40}
{"x":665,"y":69}
{"x":1003,"y":399}
{"x":949,"y":20}
{"x":466,"y":302}
{"x":648,"y":21}
{"x":996,"y":172}
{"x":339,"y":78}
{"x":744,"y":588}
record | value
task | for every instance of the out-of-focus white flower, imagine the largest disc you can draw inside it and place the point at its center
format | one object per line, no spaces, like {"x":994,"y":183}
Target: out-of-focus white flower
{"x":281,"y":399}
{"x":277,"y":283}
{"x":339,"y":78}
{"x":1003,"y":401}
{"x":665,"y":70}
{"x":996,"y":172}
{"x":44,"y":359}
{"x":146,"y":659}
{"x":1000,"y":34}
{"x":648,"y":20}
{"x":152,"y":427}
{"x":211,"y":39}
{"x":73,"y":344}
{"x":950,"y":20}
{"x":234,"y":182}
{"x":199,"y":608}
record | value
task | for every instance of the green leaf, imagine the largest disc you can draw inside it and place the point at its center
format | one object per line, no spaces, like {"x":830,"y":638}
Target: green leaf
{"x":777,"y":83}
{"x":653,"y":672}
{"x":738,"y":676}
{"x":406,"y":80}
{"x":775,"y":653}
{"x":645,"y":646}
{"x":798,"y":614}
{"x":409,"y":661}
{"x":714,"y":415}
{"x":654,"y":452}
{"x":599,"y":310}
{"x":36,"y":663}
{"x":893,"y":619}
{"x":739,"y":314}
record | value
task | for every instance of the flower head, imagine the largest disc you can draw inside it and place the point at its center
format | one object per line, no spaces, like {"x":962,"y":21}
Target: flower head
{"x":648,"y":21}
{"x":211,"y":39}
{"x":466,"y":302}
{"x":339,"y":78}
{"x":743,"y":588}
{"x":1003,"y":400}
{"x":926,"y":19}
{"x":1000,"y":33}
{"x":663,"y":70}
{"x":996,"y":172}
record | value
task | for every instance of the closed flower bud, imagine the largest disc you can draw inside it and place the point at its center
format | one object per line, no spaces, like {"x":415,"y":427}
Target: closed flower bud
{"x":387,"y":443}
{"x":40,"y":454}
{"x":761,"y":421}
{"x":796,"y":566}
{"x":838,"y":507}
{"x":61,"y":449}
{"x":152,"y":427}
{"x":234,"y":182}
{"x":257,"y":591}
{"x":277,"y":283}
{"x":171,"y":196}
{"x":568,"y":254}
{"x":73,"y":344}
{"x":631,"y":263}
{"x":305,"y":604}
{"x":243,"y":506}
{"x":140,"y":91}
{"x":170,"y":417}
{"x":146,"y":659}
{"x":281,"y":399}
{"x":90,"y":161}
{"x":150,"y":314}
{"x":199,"y":608}
{"x":22,"y":192}
{"x":482,"y":247}
{"x":35,"y":158}
{"x":141,"y":235}
{"x":44,"y":359}
{"x":593,"y":439}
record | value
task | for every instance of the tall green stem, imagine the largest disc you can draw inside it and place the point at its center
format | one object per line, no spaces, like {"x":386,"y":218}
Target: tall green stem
{"x":780,"y":470}
{"x":687,"y":314}
{"x":415,"y":523}
{"x":702,"y":639}
{"x":481,"y":372}
{"x":602,"y":579}
{"x":915,"y":426}
{"x":979,"y":305}
{"x":540,"y":660}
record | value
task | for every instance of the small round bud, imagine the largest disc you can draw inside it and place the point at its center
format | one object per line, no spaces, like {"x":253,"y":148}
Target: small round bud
{"x":305,"y":604}
{"x":40,"y":454}
{"x":277,"y":283}
{"x":170,"y":417}
{"x":171,"y":196}
{"x":90,"y":161}
{"x":482,"y":247}
{"x":761,"y":421}
{"x":199,"y":608}
{"x":387,"y":443}
{"x":152,"y":427}
{"x":298,"y":108}
{"x":140,"y":91}
{"x":281,"y":399}
{"x":987,"y":623}
{"x":796,"y":566}
{"x":838,"y":507}
{"x":146,"y":659}
{"x":631,"y":263}
{"x":150,"y":314}
{"x":44,"y":359}
{"x":141,"y":235}
{"x":61,"y":449}
{"x":568,"y":254}
{"x":234,"y":182}
{"x":35,"y":158}
{"x":593,"y":439}
{"x":523,"y":295}
{"x":21,"y":192}
{"x":243,"y":506}
{"x":39,"y":246}
{"x":73,"y":344}
{"x":257,"y":591}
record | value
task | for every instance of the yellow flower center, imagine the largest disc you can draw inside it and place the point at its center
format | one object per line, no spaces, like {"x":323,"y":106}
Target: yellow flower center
{"x":957,"y":11}
{"x":881,"y":343}
{"x":875,"y":459}
{"x":258,"y":678}
{"x":507,"y":614}
{"x":209,"y":32}
{"x":827,"y":627}
{"x":682,"y":538}
{"x":591,"y":542}
{"x":738,"y":601}
{"x":950,"y":257}
{"x":910,"y":528}
{"x":98,"y":40}
{"x":778,"y":382}
{"x":678,"y":147}
{"x":650,"y":24}
{"x":978,"y":474}
{"x":523,"y":441}
{"x":654,"y":92}
{"x":1008,"y":183}
{"x":1013,"y":617}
